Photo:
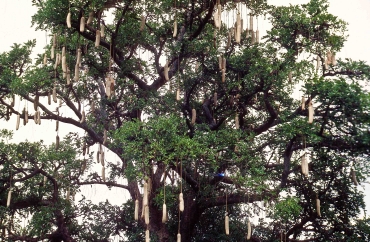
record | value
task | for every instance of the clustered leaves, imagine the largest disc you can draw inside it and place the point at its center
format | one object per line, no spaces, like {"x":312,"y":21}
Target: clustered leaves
{"x":196,"y":113}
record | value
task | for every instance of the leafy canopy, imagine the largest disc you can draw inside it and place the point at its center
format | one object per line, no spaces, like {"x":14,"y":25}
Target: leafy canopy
{"x":195,"y":112}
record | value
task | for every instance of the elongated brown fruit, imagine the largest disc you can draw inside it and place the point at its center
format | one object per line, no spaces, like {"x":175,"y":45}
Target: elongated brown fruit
{"x":223,"y":75}
{"x":178,"y":94}
{"x":7,"y":114}
{"x":224,"y":63}
{"x":38,"y":117}
{"x":82,"y":117}
{"x":178,"y":237}
{"x":227,"y":232}
{"x":253,"y":40}
{"x":52,"y":54}
{"x":303,"y":103}
{"x":236,"y":121}
{"x":38,"y":120}
{"x":26,"y":116}
{"x":181,"y":202}
{"x":318,"y":205}
{"x":68,"y":20}
{"x":219,"y":8}
{"x":249,"y":231}
{"x":55,"y":94}
{"x":35,"y":117}
{"x":64,"y":72}
{"x":142,"y":212}
{"x":105,"y":137}
{"x":45,"y":60}
{"x":68,"y":194}
{"x":145,"y":197}
{"x":216,"y":19}
{"x":98,"y":157}
{"x":97,"y":38}
{"x":174,"y":29}
{"x":36,"y":102}
{"x":79,"y":56}
{"x":107,"y":86}
{"x":77,"y":72}
{"x":328,"y":57}
{"x":64,"y":65}
{"x":353,"y":177}
{"x":290,"y":77}
{"x":56,"y":61}
{"x":68,"y":76}
{"x":238,"y":28}
{"x":12,"y":102}
{"x":146,"y":215}
{"x":165,"y":72}
{"x":57,"y":143}
{"x":164,"y":213}
{"x":304,"y":165}
{"x":147,"y":236}
{"x":220,"y":62}
{"x":193,"y":116}
{"x":142,"y":22}
{"x":9,"y":197}
{"x":333,"y":59}
{"x":91,"y":18}
{"x":84,"y":149}
{"x":49,"y":98}
{"x":251,"y":23}
{"x":92,"y":105}
{"x":102,"y":30}
{"x":18,"y":121}
{"x":136,"y":214}
{"x":149,"y":181}
{"x":102,"y":158}
{"x":103,"y":173}
{"x":82,"y":24}
{"x":112,"y":83}
{"x":310,"y":113}
{"x":83,"y":166}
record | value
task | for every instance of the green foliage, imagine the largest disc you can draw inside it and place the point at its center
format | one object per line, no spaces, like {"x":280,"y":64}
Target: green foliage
{"x":245,"y":146}
{"x":287,"y":209}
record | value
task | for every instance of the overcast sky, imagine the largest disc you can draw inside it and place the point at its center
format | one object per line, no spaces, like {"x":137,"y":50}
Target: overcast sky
{"x":15,"y":16}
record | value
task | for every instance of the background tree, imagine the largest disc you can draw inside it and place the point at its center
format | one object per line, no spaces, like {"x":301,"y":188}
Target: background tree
{"x":197,"y":112}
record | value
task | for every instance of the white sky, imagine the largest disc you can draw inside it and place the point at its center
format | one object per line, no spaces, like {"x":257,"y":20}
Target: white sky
{"x":15,"y":16}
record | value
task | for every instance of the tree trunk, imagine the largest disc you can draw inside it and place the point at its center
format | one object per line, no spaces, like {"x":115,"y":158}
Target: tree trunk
{"x":189,"y":217}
